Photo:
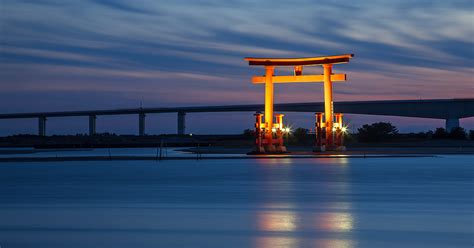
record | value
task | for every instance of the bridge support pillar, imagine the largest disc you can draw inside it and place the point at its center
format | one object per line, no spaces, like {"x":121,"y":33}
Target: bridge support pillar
{"x":451,"y":124}
{"x":141,"y":124}
{"x":42,"y":126}
{"x":181,"y":123}
{"x":92,"y":125}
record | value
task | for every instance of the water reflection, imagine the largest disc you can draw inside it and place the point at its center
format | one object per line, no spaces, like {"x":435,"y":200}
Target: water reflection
{"x":334,"y":243}
{"x":333,"y":160}
{"x":275,"y":161}
{"x":277,"y":221}
{"x":322,"y":223}
{"x":276,"y":242}
{"x":338,"y":219}
{"x":285,"y":221}
{"x":343,"y":160}
{"x":335,"y":221}
{"x":284,"y":228}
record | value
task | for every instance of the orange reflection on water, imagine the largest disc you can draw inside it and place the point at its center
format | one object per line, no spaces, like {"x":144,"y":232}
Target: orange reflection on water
{"x":276,"y":242}
{"x":340,"y":222}
{"x":333,"y":160}
{"x":277,"y":221}
{"x":335,"y":221}
{"x":343,"y":160}
{"x":334,"y":243}
{"x":274,"y":160}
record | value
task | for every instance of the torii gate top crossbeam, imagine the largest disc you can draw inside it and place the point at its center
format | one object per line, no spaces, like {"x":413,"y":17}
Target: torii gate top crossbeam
{"x":335,"y":59}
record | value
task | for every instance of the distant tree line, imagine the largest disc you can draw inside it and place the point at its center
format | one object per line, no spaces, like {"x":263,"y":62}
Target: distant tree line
{"x":385,"y":131}
{"x":457,"y":133}
{"x":375,"y":132}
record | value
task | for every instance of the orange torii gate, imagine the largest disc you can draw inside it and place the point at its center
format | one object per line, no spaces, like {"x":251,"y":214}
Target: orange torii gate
{"x":265,"y":131}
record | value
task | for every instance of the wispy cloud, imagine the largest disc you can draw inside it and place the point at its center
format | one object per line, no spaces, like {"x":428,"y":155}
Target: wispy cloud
{"x":193,"y":50}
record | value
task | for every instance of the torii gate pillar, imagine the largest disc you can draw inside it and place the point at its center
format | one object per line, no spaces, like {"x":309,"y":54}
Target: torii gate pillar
{"x":268,"y":115}
{"x":328,"y":105}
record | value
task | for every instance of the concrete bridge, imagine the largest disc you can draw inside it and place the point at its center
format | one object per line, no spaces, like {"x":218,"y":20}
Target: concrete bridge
{"x":450,"y":110}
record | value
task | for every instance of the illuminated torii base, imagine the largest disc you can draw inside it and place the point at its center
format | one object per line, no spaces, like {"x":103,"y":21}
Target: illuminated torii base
{"x":266,"y":131}
{"x":337,"y":132}
{"x":264,"y":144}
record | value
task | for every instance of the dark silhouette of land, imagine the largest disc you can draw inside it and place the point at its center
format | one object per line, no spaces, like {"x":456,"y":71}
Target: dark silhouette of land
{"x":376,"y":138}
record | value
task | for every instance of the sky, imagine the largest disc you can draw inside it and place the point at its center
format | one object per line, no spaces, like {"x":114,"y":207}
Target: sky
{"x":104,"y":54}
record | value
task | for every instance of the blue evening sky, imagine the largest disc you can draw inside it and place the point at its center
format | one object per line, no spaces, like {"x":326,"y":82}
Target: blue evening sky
{"x":99,"y":54}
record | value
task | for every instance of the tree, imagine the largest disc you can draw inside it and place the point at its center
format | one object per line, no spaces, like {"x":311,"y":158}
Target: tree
{"x":248,"y":134}
{"x":376,"y":132}
{"x":471,"y":134}
{"x":429,"y":134}
{"x":458,"y":133}
{"x":301,"y":135}
{"x":440,"y":133}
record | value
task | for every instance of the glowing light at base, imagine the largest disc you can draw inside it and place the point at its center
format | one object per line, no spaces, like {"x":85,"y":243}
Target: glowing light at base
{"x":344,"y":129}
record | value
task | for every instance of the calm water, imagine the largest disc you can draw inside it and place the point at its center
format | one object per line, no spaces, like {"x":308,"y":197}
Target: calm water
{"x":336,"y":202}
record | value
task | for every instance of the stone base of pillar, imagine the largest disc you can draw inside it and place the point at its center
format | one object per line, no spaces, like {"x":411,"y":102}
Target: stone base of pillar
{"x":319,"y":149}
{"x":257,"y":151}
{"x":280,"y":149}
{"x":340,"y":148}
{"x":331,"y":148}
{"x":268,"y":150}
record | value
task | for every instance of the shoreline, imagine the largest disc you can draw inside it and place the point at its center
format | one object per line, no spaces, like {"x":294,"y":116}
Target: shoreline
{"x":350,"y":150}
{"x":225,"y":153}
{"x":151,"y":158}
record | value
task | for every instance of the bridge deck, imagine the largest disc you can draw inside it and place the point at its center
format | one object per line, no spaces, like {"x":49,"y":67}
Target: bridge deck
{"x":433,"y":108}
